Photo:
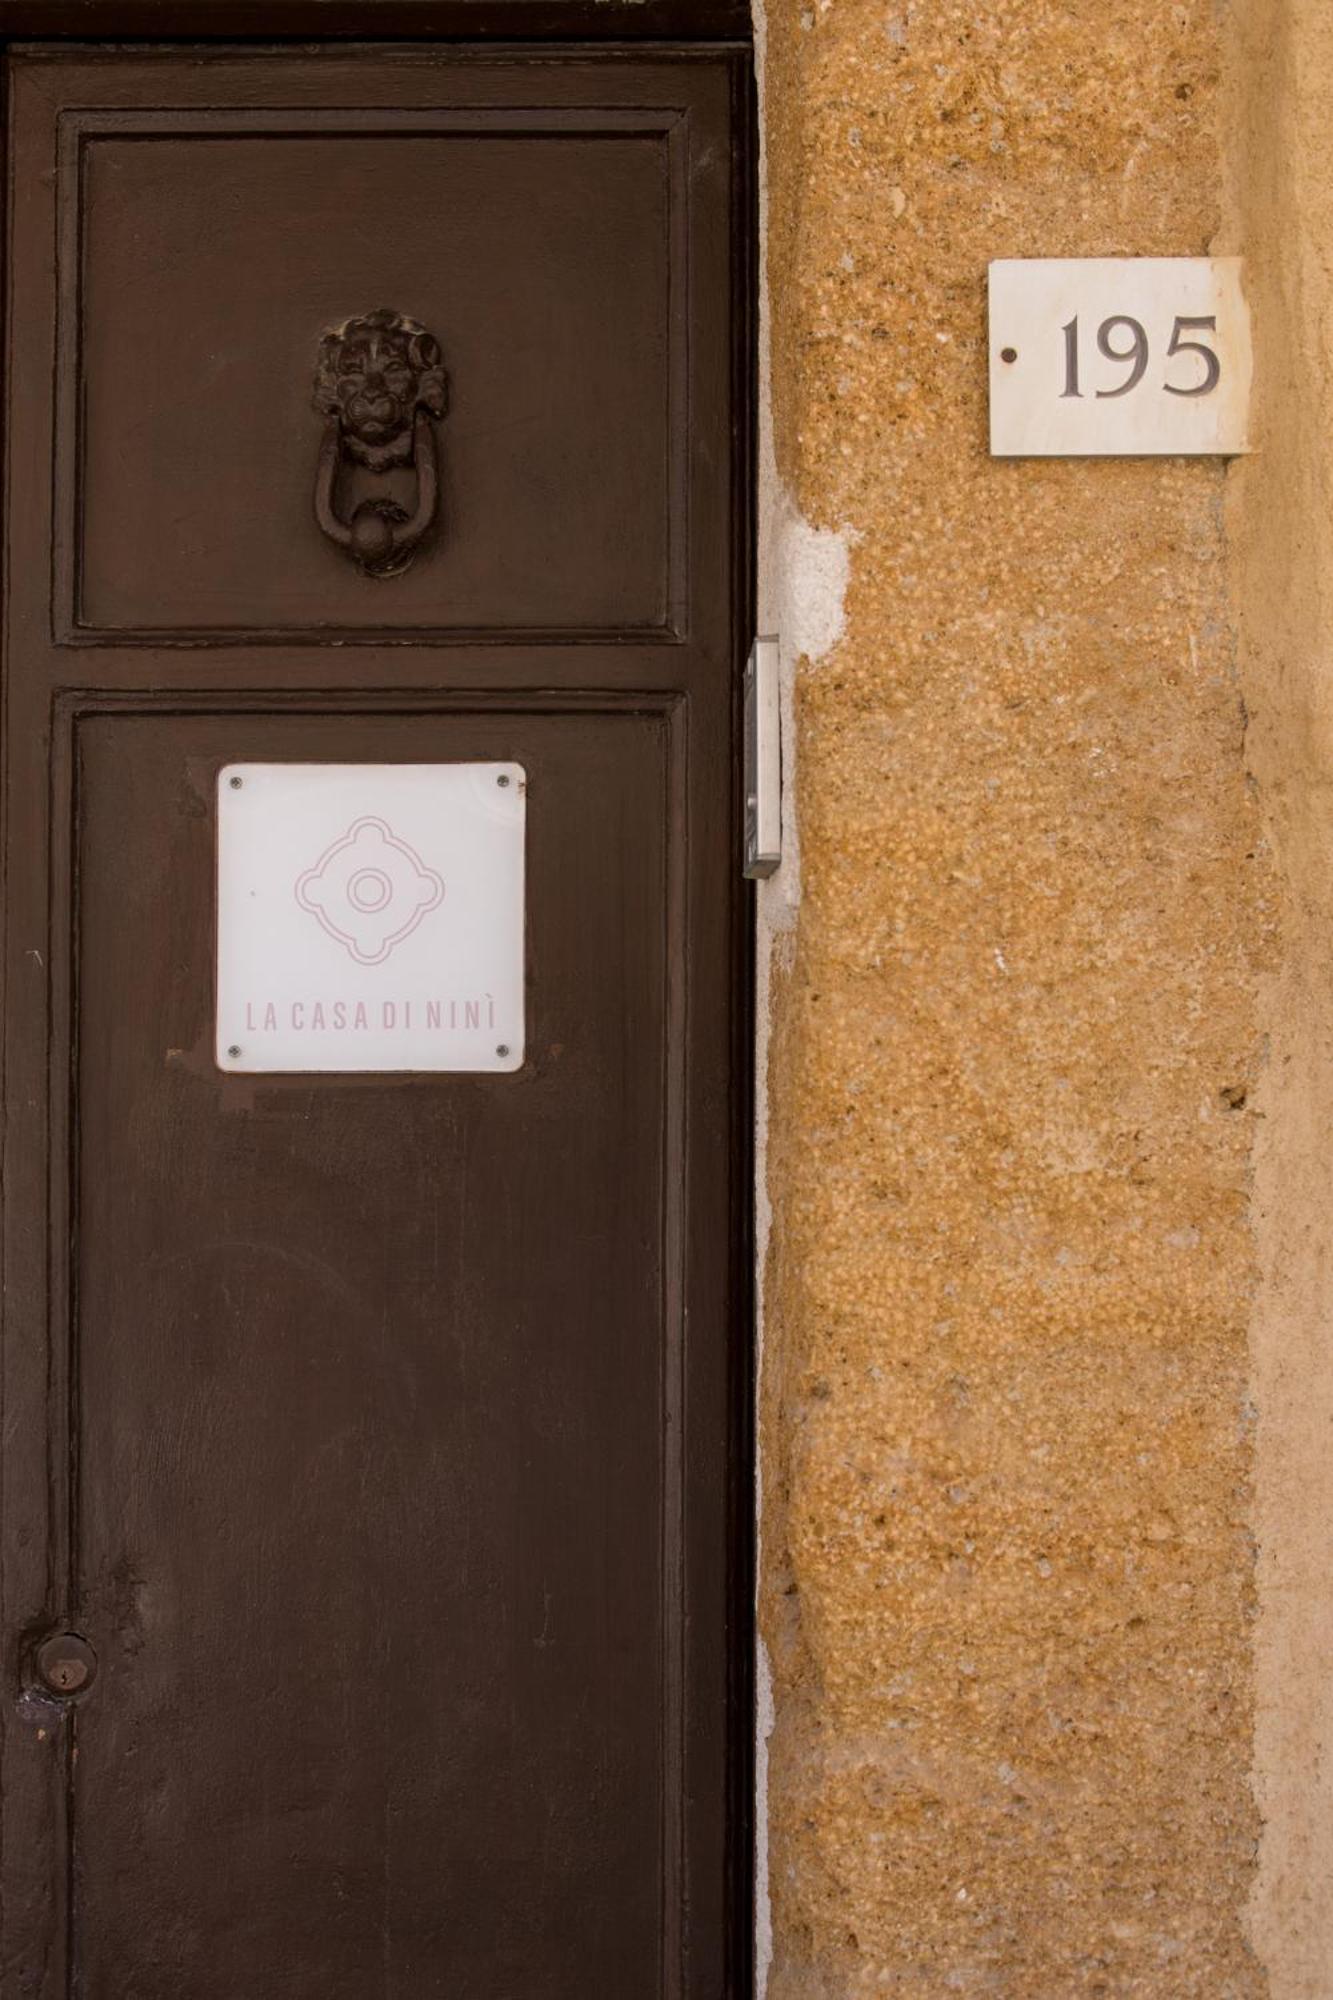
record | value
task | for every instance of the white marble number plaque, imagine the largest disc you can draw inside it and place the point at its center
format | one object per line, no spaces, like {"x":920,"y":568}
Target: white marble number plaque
{"x":1118,"y":356}
{"x":370,"y":917}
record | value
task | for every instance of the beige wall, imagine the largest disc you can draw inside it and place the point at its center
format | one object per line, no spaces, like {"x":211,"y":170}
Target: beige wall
{"x":1018,"y":1009}
{"x":1278,"y":120}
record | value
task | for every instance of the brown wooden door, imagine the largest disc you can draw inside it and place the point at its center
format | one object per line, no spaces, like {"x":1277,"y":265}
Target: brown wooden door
{"x":380,"y":1435}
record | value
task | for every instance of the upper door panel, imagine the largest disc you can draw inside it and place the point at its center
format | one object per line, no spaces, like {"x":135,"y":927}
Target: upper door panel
{"x":212,"y":259}
{"x":549,"y":220}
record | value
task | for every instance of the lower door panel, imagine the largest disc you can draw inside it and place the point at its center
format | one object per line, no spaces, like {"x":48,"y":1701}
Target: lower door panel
{"x":369,"y":1459}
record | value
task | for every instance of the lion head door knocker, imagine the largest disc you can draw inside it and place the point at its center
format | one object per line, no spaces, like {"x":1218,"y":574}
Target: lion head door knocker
{"x":380,"y":385}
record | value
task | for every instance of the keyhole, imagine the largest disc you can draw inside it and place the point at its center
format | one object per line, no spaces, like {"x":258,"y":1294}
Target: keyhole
{"x":66,"y":1663}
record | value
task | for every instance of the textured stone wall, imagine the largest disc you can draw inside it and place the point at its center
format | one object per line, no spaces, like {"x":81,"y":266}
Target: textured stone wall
{"x":1007,"y":1581}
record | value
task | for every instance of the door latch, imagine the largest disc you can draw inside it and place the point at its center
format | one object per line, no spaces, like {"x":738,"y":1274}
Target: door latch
{"x":763,"y":759}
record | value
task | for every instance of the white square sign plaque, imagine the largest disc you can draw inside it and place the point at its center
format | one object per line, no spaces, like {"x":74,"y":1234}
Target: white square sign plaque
{"x":1118,"y":357}
{"x":370,"y":917}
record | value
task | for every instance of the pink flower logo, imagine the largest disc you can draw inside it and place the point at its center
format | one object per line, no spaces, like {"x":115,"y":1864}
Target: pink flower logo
{"x":369,"y":890}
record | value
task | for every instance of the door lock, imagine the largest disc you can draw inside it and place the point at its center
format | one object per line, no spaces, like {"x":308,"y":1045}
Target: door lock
{"x":66,"y":1664}
{"x":763,"y":760}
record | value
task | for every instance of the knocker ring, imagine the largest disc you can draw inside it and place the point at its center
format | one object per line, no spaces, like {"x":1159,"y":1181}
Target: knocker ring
{"x":380,"y":385}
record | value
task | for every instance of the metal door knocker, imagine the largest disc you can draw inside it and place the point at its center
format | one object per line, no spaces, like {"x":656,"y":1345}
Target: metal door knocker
{"x":381,"y":387}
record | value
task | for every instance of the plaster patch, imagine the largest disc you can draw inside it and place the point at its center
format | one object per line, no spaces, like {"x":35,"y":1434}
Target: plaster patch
{"x":812,"y":568}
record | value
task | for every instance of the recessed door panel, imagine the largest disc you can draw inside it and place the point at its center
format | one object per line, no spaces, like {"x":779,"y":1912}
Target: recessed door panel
{"x":370,"y":1424}
{"x":539,"y":260}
